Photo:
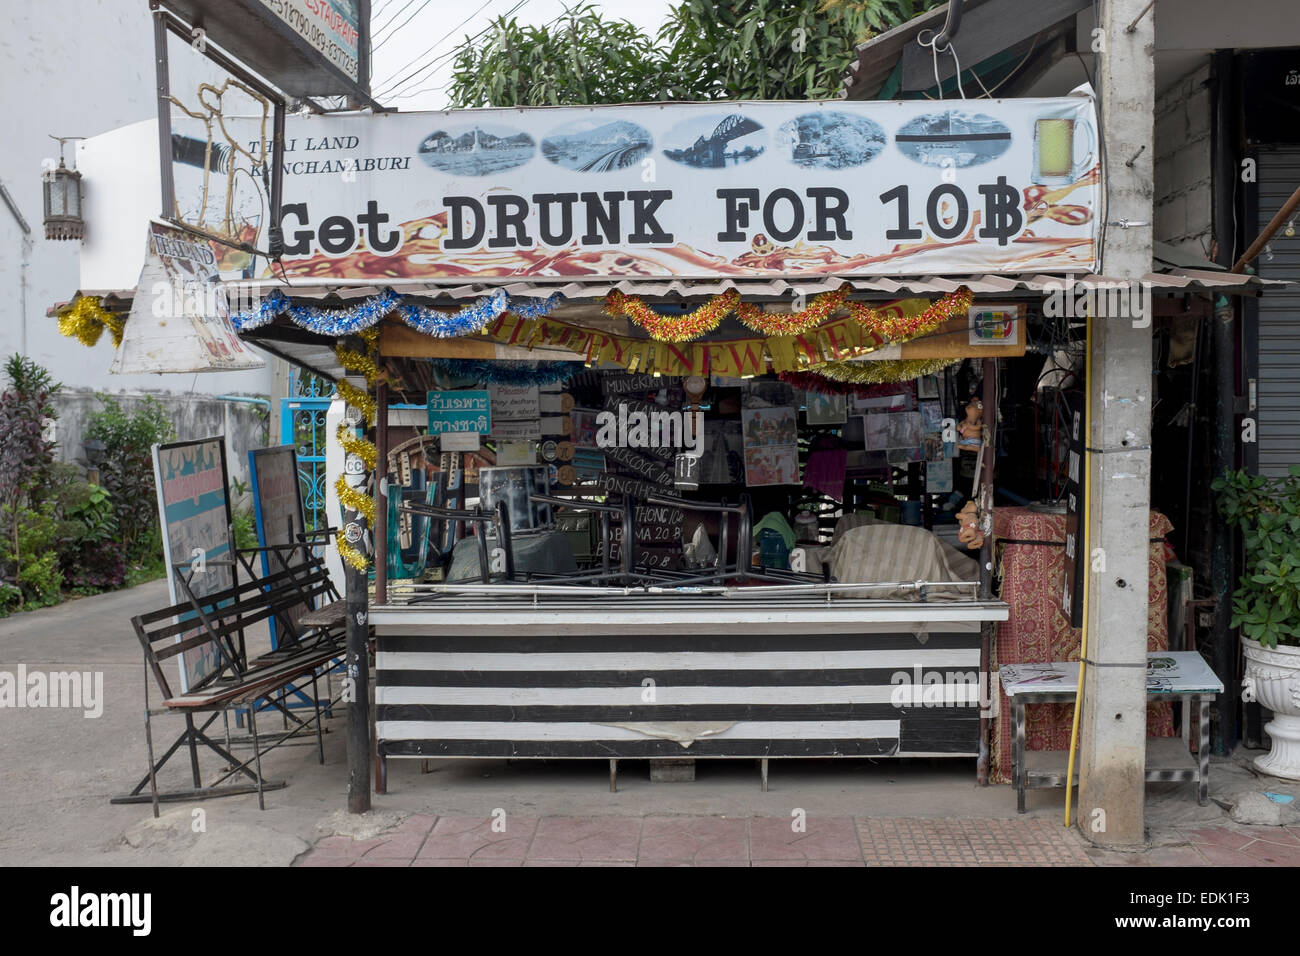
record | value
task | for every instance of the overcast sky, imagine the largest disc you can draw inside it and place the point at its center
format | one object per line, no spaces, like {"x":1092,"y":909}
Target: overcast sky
{"x":414,"y":39}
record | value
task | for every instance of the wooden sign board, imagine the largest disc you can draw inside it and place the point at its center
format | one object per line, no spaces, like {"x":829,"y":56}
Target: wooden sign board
{"x":194,"y":514}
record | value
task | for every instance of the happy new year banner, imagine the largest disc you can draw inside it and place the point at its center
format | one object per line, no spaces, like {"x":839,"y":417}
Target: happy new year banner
{"x":743,"y":189}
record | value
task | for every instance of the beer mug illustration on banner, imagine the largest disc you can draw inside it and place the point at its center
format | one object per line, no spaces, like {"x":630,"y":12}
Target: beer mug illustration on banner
{"x":1064,"y":150}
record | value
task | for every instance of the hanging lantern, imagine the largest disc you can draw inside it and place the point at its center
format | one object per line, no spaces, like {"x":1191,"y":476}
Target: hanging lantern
{"x":63,"y":203}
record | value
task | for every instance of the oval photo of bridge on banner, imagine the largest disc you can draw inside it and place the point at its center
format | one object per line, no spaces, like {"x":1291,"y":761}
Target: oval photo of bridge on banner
{"x":715,"y":142}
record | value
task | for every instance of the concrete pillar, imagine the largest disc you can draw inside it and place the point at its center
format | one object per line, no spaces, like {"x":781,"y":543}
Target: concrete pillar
{"x":279,"y":390}
{"x":1113,"y":721}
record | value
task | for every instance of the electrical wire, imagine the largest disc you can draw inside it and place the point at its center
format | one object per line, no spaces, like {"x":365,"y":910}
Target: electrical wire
{"x":389,"y":22}
{"x":953,"y":50}
{"x":989,"y":93}
{"x":391,"y":88}
{"x":393,"y":85}
{"x":398,"y":29}
{"x":932,"y":45}
{"x":409,"y":93}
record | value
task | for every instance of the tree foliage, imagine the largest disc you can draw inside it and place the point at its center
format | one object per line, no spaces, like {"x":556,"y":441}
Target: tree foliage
{"x":28,"y":565}
{"x":707,"y":50}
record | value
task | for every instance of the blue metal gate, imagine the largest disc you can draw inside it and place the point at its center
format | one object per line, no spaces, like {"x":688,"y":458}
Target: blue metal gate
{"x":302,"y":424}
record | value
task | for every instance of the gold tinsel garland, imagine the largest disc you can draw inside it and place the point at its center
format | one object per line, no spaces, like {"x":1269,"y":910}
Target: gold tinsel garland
{"x":349,"y":497}
{"x":679,"y":328}
{"x":904,"y":328}
{"x":85,"y":320}
{"x":879,"y":372}
{"x":821,"y":308}
{"x":686,"y":328}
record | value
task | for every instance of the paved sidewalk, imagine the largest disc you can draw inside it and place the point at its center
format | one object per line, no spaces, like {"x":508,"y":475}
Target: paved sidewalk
{"x":59,"y":769}
{"x":423,"y":840}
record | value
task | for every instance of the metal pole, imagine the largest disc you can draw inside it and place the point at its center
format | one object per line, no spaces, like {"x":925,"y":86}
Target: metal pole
{"x":1274,"y":224}
{"x":358,"y":669}
{"x":274,"y":234}
{"x":166,"y":183}
{"x":381,"y":494}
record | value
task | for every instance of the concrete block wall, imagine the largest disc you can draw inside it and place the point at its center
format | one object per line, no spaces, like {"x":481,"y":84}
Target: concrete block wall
{"x":195,"y":416}
{"x":1183,"y":167}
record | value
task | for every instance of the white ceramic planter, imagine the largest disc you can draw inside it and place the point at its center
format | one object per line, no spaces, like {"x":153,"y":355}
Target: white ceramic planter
{"x":1273,"y":676}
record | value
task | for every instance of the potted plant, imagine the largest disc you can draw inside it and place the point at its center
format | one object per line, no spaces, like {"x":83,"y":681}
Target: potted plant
{"x":1266,"y":604}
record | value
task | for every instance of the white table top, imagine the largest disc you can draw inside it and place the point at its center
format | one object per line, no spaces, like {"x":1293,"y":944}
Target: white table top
{"x":1168,"y":673}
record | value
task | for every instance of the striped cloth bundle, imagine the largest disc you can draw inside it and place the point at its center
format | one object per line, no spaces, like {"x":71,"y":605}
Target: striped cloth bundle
{"x":874,"y":553}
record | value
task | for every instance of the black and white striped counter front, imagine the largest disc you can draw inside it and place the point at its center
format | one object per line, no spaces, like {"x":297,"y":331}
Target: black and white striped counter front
{"x":751,"y":672}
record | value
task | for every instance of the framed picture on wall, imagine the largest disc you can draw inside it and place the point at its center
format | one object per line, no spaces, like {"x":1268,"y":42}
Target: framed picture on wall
{"x":826,"y":409}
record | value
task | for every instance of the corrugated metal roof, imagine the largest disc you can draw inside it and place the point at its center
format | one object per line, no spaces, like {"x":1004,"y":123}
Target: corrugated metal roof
{"x":988,"y":28}
{"x":1171,"y":280}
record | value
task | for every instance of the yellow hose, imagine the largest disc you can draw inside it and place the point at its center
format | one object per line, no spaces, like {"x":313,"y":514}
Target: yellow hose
{"x":1083,"y":556}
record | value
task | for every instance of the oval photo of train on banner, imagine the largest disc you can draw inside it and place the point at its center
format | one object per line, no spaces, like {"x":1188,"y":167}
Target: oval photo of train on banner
{"x":953,"y":138}
{"x":591,"y":146}
{"x":477,"y":150}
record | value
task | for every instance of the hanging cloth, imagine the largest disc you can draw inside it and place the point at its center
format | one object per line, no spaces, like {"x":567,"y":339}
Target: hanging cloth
{"x":827,"y":463}
{"x":775,"y":521}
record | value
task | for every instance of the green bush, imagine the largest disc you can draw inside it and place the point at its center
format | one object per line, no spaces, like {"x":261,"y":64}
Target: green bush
{"x":31,"y":558}
{"x":90,"y":555}
{"x":1266,"y":604}
{"x":245,"y":528}
{"x":127,"y":470}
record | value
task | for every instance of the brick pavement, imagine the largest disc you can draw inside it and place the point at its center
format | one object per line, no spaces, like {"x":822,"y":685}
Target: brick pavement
{"x":423,"y":840}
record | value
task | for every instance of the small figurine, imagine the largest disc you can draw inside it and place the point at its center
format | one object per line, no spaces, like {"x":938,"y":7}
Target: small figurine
{"x":968,"y":523}
{"x":972,"y":429}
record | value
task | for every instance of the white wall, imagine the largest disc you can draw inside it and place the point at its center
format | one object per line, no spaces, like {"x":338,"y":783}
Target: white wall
{"x":76,"y":68}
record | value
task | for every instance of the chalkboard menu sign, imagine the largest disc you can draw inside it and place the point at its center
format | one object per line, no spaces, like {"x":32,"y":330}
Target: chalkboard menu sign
{"x":658,"y":527}
{"x":1076,"y":476}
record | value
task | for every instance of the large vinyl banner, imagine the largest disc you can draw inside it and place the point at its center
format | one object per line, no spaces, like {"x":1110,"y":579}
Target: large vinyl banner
{"x":694,"y":190}
{"x":740,"y":189}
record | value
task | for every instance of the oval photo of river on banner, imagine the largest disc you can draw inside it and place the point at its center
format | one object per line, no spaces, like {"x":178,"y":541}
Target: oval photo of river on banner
{"x":953,"y":138}
{"x":831,"y":140}
{"x":590,"y":146}
{"x":477,"y":150}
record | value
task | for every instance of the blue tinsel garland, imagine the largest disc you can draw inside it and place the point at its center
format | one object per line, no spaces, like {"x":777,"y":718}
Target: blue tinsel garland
{"x":349,"y":320}
{"x":517,"y":374}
